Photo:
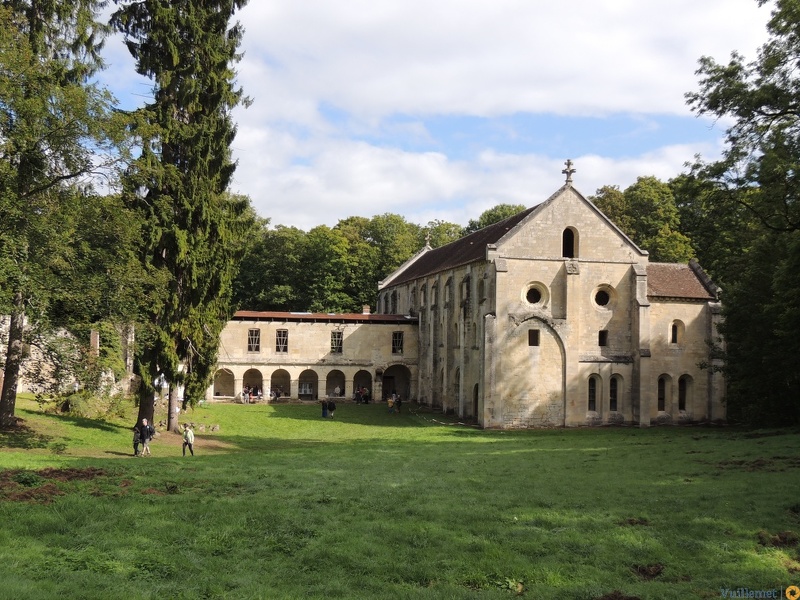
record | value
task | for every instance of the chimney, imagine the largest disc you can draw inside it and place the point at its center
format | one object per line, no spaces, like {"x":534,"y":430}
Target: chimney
{"x":365,"y":310}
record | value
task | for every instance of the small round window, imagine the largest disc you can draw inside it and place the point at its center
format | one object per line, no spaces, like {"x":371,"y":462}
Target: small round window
{"x":603,"y":297}
{"x":535,"y":293}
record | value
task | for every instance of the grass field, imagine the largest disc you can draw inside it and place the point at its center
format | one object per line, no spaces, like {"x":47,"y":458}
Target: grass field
{"x":279,"y":503}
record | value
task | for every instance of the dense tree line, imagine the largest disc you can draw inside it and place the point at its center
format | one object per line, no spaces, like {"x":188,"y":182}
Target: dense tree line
{"x":111,"y":218}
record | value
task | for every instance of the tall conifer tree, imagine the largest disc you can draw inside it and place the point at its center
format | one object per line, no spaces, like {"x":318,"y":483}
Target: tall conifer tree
{"x":179,"y":184}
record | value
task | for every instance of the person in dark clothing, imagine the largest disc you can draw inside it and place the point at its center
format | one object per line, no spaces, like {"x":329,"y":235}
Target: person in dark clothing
{"x":146,"y":433}
{"x":331,"y":408}
{"x":137,"y":439}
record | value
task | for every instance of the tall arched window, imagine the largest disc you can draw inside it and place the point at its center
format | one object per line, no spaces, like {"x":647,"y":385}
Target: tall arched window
{"x":676,"y":330}
{"x":662,"y":394}
{"x":568,"y":245}
{"x":613,"y":393}
{"x":592,"y":397}
{"x":684,"y":391}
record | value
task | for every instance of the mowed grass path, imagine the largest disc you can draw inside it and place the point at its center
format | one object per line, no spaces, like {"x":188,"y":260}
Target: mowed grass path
{"x":279,"y":503}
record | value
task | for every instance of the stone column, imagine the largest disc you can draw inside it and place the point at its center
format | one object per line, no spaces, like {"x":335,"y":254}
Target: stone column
{"x":575,"y":404}
{"x":265,"y":391}
{"x":643,"y":388}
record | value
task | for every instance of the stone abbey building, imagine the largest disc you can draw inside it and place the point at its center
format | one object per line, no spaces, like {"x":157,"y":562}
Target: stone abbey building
{"x":552,"y":317}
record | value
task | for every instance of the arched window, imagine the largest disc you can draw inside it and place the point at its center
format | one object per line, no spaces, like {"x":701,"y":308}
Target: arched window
{"x":393,"y":310}
{"x":662,"y":394}
{"x":676,"y":331}
{"x":684,"y":391}
{"x":568,"y":243}
{"x":592,"y":395}
{"x":613,"y":393}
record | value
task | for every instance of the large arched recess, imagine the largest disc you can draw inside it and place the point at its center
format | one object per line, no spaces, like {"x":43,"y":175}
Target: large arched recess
{"x":363,"y":379}
{"x":334,"y":379}
{"x":534,"y":372}
{"x":224,"y":383}
{"x":280,"y":383}
{"x":253,"y":379}
{"x":397,"y":378}
{"x":308,"y":385}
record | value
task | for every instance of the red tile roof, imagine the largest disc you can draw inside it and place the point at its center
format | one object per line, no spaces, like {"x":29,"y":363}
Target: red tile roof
{"x":671,"y":280}
{"x":256,"y":315}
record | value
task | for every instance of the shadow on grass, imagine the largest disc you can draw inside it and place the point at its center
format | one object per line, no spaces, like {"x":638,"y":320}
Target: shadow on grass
{"x":83,"y":422}
{"x":23,"y":437}
{"x":373,"y":414}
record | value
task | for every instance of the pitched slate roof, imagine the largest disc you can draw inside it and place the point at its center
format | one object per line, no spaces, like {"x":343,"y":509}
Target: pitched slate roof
{"x":463,"y":251}
{"x":672,"y":280}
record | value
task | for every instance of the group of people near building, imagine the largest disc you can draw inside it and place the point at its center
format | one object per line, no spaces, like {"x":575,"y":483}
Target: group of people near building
{"x":361,"y":395}
{"x":251,"y":394}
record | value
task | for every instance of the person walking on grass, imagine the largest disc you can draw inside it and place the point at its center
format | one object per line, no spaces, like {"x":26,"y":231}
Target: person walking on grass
{"x":331,"y":408}
{"x":188,"y":439}
{"x":137,"y":439}
{"x":324,"y":409}
{"x":146,"y":433}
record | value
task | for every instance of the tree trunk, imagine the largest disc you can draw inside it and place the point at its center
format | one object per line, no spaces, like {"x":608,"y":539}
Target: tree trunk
{"x":147,"y":408}
{"x":14,"y":357}
{"x":174,"y":403}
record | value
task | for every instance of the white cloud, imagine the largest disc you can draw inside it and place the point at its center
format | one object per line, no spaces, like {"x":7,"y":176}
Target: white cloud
{"x":322,"y":140}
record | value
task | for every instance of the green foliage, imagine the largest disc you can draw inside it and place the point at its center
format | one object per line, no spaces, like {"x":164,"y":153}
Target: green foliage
{"x":493,"y":215}
{"x":325,"y":269}
{"x":58,"y":129}
{"x":755,"y":189}
{"x":613,"y":203}
{"x":647,"y":213}
{"x":440,"y":233}
{"x":762,"y":318}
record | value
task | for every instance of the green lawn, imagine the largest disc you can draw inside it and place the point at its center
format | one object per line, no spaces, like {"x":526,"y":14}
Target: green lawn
{"x":279,"y":503}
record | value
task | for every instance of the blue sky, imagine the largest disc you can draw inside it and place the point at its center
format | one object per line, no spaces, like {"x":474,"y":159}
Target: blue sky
{"x":442,"y":109}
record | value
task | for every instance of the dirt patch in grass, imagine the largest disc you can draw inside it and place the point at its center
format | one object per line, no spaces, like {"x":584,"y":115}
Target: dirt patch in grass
{"x":86,"y":474}
{"x":19,"y":485}
{"x":648,"y":572}
{"x":617,"y":595}
{"x":791,"y":565}
{"x":783,"y":539}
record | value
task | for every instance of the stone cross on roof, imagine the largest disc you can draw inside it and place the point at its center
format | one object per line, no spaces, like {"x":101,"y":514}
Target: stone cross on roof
{"x":569,"y":170}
